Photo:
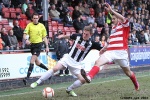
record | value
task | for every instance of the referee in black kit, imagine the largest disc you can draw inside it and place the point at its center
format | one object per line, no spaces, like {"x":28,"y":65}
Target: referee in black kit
{"x":37,"y":33}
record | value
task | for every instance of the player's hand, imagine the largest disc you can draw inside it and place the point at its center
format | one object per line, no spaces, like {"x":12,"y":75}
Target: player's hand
{"x":28,"y":42}
{"x":108,"y":7}
{"x":47,"y":49}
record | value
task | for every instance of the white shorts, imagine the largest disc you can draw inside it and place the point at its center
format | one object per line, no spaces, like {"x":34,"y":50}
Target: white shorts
{"x":118,"y":56}
{"x":73,"y":66}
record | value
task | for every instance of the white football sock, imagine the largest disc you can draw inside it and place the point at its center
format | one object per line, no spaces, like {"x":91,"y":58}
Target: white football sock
{"x":75,"y":85}
{"x":45,"y":76}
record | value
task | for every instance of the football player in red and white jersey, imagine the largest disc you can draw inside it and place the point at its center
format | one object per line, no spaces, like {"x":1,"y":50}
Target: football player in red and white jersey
{"x":116,"y":50}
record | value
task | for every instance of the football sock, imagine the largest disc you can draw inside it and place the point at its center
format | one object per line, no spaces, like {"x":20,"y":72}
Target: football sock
{"x":75,"y":85}
{"x":133,"y":78}
{"x":94,"y":71}
{"x":45,"y":76}
{"x":43,"y":66}
{"x":30,"y":70}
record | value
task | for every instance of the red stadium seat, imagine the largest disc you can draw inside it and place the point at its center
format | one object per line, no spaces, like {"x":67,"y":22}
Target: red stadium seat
{"x":50,"y":27}
{"x":7,"y":27}
{"x":68,"y":33}
{"x":60,"y":24}
{"x":13,"y":15}
{"x":6,"y":15}
{"x":54,"y":23}
{"x":50,"y":23}
{"x":66,"y":29}
{"x":12,"y":10}
{"x":51,"y":34}
{"x":18,"y":10}
{"x":1,"y":26}
{"x":55,"y":28}
{"x":72,"y":29}
{"x":23,"y":16}
{"x":5,"y":10}
{"x":28,"y":21}
{"x":61,"y":27}
{"x":4,"y":22}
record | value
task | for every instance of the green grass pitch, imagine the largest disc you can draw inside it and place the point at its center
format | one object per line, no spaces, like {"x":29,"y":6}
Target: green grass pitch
{"x":110,"y":88}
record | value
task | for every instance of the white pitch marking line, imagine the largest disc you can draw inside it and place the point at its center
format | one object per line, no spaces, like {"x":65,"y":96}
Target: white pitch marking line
{"x":65,"y":87}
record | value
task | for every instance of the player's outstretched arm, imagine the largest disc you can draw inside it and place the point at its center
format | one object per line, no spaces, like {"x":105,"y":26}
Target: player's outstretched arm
{"x":109,"y":9}
{"x":64,"y":36}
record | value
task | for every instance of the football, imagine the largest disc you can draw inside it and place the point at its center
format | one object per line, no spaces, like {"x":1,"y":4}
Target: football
{"x":48,"y":92}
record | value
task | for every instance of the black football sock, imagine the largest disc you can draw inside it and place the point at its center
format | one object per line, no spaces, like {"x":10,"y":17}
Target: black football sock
{"x":30,"y":70}
{"x":43,"y":66}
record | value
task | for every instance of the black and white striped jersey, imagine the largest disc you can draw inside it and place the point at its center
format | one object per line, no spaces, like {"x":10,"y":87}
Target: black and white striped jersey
{"x":80,"y":47}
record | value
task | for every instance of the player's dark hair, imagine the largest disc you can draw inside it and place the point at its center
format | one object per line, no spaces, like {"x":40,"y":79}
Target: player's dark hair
{"x":35,"y":14}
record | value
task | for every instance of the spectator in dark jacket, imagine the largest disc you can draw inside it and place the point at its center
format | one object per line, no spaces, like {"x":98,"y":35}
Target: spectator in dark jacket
{"x":4,"y":36}
{"x":18,"y":32}
{"x":141,"y":38}
{"x":78,"y":24}
{"x":76,"y":13}
{"x":16,"y":3}
{"x":68,"y":20}
{"x":30,"y":11}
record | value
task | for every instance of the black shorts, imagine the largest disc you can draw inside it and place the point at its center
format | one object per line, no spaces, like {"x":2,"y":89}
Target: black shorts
{"x":36,"y":48}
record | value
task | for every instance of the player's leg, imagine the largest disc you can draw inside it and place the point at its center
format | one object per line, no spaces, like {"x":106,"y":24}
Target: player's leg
{"x":125,"y":67}
{"x":78,"y":83}
{"x":48,"y":74}
{"x":31,"y":66}
{"x":95,"y":69}
{"x":35,"y":51}
{"x":38,"y":63}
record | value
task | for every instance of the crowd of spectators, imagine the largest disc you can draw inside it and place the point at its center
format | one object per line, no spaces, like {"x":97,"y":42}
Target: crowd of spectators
{"x":78,"y":14}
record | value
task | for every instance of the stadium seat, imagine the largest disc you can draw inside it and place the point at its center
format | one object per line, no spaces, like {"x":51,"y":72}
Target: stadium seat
{"x":5,"y":10}
{"x":51,"y":34}
{"x":68,"y":33}
{"x":6,"y":15}
{"x":23,"y":16}
{"x":54,"y":28}
{"x":60,"y":24}
{"x":18,"y":10}
{"x":50,"y":27}
{"x":13,"y":15}
{"x":73,"y":32}
{"x":28,"y":21}
{"x":7,"y":27}
{"x":49,"y":23}
{"x":12,"y":10}
{"x":72,"y":29}
{"x":54,"y":23}
{"x":61,"y":27}
{"x":4,"y":22}
{"x":1,"y":26}
{"x":66,"y":29}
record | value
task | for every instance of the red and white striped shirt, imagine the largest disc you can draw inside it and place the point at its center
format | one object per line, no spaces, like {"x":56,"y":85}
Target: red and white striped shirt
{"x":118,"y":39}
